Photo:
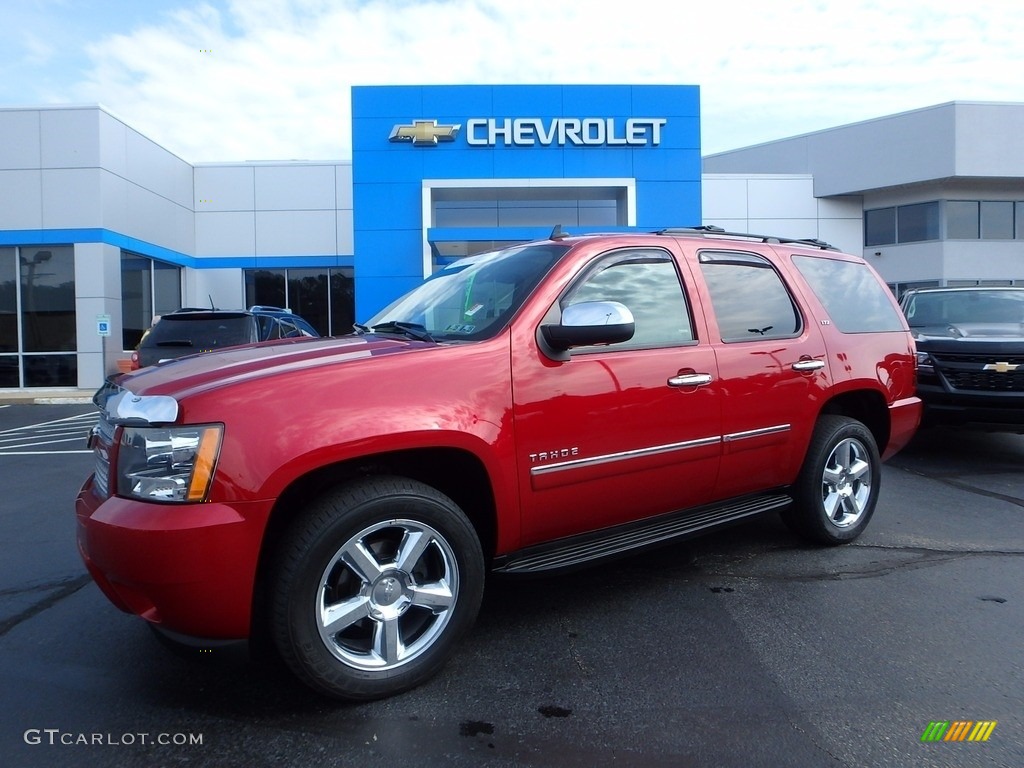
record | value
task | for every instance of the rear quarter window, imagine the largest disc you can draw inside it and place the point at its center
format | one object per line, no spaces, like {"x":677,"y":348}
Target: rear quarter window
{"x":855,"y":299}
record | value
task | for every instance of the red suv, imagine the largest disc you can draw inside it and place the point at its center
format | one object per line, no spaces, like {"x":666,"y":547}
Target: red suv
{"x":537,"y":408}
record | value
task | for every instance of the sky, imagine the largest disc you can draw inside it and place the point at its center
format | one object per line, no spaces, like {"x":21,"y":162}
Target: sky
{"x":250,"y":80}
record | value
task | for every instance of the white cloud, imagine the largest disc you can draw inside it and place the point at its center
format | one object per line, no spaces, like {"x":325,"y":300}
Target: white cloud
{"x":275,"y":81}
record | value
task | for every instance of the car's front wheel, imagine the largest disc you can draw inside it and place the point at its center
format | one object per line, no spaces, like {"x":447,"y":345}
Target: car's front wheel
{"x":836,"y":492}
{"x":374,"y":586}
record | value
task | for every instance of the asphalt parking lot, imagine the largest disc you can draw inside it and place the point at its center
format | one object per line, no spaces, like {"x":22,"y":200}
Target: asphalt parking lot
{"x":744,"y":648}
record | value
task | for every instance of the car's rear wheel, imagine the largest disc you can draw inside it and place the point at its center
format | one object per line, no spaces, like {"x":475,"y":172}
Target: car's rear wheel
{"x":836,"y":492}
{"x":374,"y":586}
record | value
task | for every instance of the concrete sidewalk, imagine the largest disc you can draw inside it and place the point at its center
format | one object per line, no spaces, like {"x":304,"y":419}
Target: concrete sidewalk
{"x":45,"y":396}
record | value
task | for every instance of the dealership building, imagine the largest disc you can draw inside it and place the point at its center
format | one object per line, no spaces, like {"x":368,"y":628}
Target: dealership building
{"x":101,"y":229}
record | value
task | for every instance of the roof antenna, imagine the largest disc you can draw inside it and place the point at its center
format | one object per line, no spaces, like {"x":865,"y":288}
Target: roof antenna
{"x":557,"y":233}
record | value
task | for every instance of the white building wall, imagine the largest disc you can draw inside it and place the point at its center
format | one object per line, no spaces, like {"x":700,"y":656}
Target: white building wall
{"x":223,"y":288}
{"x":783,"y":205}
{"x":97,"y":292}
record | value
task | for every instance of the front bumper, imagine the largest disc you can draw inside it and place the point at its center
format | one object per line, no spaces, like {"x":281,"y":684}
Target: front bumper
{"x":189,"y":568}
{"x":942,"y":406}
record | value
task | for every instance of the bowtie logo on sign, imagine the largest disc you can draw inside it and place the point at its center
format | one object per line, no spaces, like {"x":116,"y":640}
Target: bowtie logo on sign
{"x":424,"y":133}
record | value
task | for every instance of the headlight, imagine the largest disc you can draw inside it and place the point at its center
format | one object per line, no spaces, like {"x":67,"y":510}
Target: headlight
{"x":924,"y":363}
{"x":168,"y":463}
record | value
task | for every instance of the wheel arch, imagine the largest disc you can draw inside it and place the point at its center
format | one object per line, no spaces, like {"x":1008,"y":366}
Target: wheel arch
{"x":455,"y":472}
{"x":866,"y":406}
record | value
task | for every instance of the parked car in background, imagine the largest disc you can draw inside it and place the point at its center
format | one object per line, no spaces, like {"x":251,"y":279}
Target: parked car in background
{"x":191,"y":330}
{"x":970,"y":354}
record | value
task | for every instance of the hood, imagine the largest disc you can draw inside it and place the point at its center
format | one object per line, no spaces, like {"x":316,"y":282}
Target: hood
{"x":210,"y":370}
{"x":999,"y":339}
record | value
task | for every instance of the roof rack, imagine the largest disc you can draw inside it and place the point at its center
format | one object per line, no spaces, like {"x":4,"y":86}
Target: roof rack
{"x":709,"y":230}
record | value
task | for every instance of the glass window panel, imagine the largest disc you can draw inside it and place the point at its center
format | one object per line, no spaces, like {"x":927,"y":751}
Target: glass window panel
{"x":9,"y":304}
{"x":51,"y":370}
{"x":880,"y":226}
{"x":997,"y":220}
{"x":9,"y":371}
{"x":136,"y":299}
{"x":750,"y":301}
{"x":343,"y":303}
{"x":48,"y":299}
{"x":918,"y":222}
{"x":592,"y":216}
{"x":961,"y":220}
{"x":166,"y":288}
{"x":647,"y":283}
{"x":1018,"y":230}
{"x":307,"y":295}
{"x":265,"y":286}
{"x":837,"y":282}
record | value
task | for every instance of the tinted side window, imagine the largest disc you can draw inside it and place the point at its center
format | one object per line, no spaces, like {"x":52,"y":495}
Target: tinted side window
{"x":854,"y":299}
{"x":289,"y":330}
{"x":647,"y":283}
{"x":748,"y":296}
{"x":268,"y":327}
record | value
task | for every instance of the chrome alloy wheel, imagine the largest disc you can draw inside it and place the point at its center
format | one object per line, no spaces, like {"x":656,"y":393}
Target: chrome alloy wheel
{"x":846,"y":483}
{"x":387,"y":594}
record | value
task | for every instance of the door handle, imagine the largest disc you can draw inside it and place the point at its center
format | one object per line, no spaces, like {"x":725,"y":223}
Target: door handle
{"x":690,"y":380}
{"x":808,"y":365}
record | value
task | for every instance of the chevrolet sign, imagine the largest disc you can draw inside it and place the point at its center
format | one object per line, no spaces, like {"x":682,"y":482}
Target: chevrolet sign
{"x":530,"y":131}
{"x":588,"y":131}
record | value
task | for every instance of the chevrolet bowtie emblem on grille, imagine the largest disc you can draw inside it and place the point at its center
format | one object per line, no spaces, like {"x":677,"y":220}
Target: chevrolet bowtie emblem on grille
{"x":1001,"y":367}
{"x":424,"y":133}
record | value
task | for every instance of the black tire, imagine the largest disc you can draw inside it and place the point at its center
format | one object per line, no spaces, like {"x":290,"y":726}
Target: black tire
{"x":401,"y":569}
{"x":836,"y":492}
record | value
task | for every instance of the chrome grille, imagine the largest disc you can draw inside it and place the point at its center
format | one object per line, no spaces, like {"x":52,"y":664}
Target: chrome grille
{"x":104,"y":439}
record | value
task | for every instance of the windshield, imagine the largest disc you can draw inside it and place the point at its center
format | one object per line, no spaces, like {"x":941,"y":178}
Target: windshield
{"x":471,"y":299}
{"x":960,"y":307}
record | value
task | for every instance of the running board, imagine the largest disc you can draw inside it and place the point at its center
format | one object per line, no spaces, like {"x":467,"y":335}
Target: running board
{"x":579,"y":550}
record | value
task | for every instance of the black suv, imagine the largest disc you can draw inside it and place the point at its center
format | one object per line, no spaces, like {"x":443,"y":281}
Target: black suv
{"x":191,"y":330}
{"x":970,"y":354}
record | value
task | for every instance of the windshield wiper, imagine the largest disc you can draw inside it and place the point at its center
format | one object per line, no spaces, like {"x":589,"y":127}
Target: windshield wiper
{"x":412,"y":330}
{"x":360,"y":328}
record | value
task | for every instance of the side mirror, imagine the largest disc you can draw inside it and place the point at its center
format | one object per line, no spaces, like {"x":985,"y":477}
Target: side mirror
{"x":586,"y":323}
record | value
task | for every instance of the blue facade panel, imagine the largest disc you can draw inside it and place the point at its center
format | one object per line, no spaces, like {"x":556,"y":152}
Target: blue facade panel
{"x":649,"y":133}
{"x":668,"y":204}
{"x":386,"y":207}
{"x":668,"y":100}
{"x":667,"y":165}
{"x":584,"y":162}
{"x":528,"y":101}
{"x":391,"y":250}
{"x":387,"y":101}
